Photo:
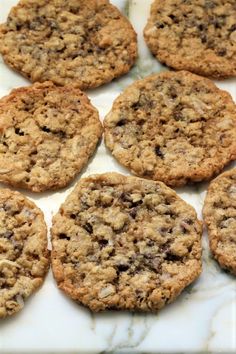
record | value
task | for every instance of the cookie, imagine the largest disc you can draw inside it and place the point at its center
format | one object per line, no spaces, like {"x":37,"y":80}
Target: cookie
{"x":24,"y":258}
{"x":47,"y":134}
{"x":175,"y":127}
{"x":87,"y":43}
{"x":199,"y":35}
{"x":220,"y":217}
{"x":125,"y":243}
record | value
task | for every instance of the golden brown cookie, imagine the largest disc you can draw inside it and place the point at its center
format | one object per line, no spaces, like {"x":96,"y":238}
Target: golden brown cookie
{"x":194,"y":35}
{"x":24,"y":258}
{"x":87,"y":43}
{"x":220,"y":217}
{"x":125,"y":243}
{"x":175,"y":127}
{"x":47,"y":135}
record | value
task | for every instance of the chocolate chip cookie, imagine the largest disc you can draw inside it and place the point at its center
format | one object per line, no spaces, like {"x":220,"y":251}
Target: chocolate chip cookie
{"x":175,"y":127}
{"x":87,"y":43}
{"x":125,"y":243}
{"x":24,"y":258}
{"x":199,"y":35}
{"x":47,"y":135}
{"x":220,"y":217}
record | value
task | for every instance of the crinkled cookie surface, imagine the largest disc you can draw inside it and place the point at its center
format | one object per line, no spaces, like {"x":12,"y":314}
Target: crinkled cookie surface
{"x":125,"y":243}
{"x":87,"y":43}
{"x":47,"y":134}
{"x":175,"y":127}
{"x":194,"y":35}
{"x":220,"y":217}
{"x":24,"y":258}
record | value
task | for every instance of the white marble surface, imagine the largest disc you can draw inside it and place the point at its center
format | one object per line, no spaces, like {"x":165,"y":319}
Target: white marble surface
{"x":202,"y":319}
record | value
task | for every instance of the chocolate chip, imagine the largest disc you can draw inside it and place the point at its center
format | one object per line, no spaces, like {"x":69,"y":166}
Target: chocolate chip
{"x":18,"y":246}
{"x":18,"y":27}
{"x":218,"y":22}
{"x":88,"y":227}
{"x":172,"y":92}
{"x":222,"y":52}
{"x":135,"y":204}
{"x":18,"y":131}
{"x":162,"y":121}
{"x":61,"y":134}
{"x":164,"y":230}
{"x":173,"y":18}
{"x":8,"y":234}
{"x":203,"y":37}
{"x":103,"y":242}
{"x":135,"y":106}
{"x":190,"y":248}
{"x":141,"y":122}
{"x":150,"y":243}
{"x":158,"y":152}
{"x":133,"y":212}
{"x":201,"y":27}
{"x":177,"y":113}
{"x":233,"y":28}
{"x":172,"y":257}
{"x":184,"y":229}
{"x":122,"y":267}
{"x":159,"y":25}
{"x":112,"y":253}
{"x":125,"y":197}
{"x":73,"y":216}
{"x":189,"y":221}
{"x":46,"y":129}
{"x":165,"y":247}
{"x":121,"y":123}
{"x":63,"y":236}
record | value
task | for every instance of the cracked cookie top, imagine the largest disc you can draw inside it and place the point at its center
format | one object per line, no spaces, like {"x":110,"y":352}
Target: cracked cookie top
{"x":199,"y":35}
{"x":125,"y":243}
{"x":220,"y":217}
{"x":47,"y":135}
{"x":87,"y":43}
{"x":24,"y":258}
{"x":176,"y":127}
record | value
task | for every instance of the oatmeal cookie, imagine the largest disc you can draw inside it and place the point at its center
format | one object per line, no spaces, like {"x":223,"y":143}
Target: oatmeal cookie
{"x":220,"y":217}
{"x":47,"y":134}
{"x":87,"y":43}
{"x":175,"y":127}
{"x":24,"y":258}
{"x":125,"y":243}
{"x":199,"y":35}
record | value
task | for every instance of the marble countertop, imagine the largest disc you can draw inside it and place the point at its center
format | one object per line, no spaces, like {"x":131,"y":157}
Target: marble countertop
{"x":202,"y":319}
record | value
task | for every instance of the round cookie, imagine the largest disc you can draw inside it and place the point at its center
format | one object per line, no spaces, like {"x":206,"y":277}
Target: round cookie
{"x":24,"y":257}
{"x":175,"y":127}
{"x":47,"y":135}
{"x":220,"y":217}
{"x":84,"y":43}
{"x":125,"y":243}
{"x":199,"y":35}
